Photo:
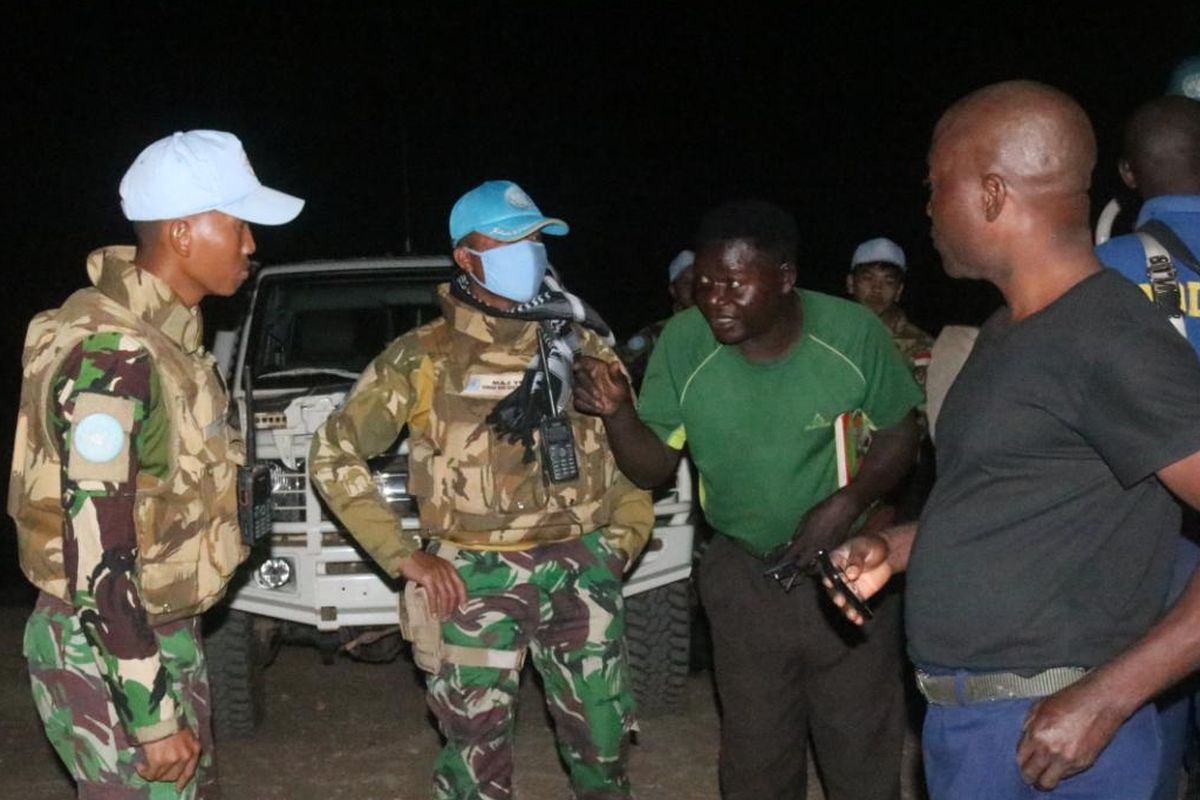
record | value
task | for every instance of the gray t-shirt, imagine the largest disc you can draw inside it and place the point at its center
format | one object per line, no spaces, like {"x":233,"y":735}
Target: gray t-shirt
{"x":1047,"y":539}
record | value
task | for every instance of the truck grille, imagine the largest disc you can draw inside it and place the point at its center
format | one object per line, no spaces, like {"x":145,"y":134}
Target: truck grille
{"x":289,"y":488}
{"x":287,"y":493}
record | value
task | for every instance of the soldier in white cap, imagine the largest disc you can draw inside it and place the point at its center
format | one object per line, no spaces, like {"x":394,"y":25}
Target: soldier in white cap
{"x":635,"y":351}
{"x":124,"y":476}
{"x":876,"y":280}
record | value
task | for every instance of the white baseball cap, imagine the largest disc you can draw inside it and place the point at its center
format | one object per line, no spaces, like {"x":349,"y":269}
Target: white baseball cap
{"x":683,"y":260}
{"x":880,"y":249}
{"x":197,"y":171}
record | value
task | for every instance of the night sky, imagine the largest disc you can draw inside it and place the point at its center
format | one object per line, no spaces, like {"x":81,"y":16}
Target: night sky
{"x":629,"y":121}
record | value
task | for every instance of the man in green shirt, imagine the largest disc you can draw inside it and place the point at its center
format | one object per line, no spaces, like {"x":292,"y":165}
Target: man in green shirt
{"x":756,"y":380}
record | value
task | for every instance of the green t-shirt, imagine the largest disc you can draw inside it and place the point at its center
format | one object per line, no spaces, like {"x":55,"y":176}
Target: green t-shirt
{"x":762,"y":434}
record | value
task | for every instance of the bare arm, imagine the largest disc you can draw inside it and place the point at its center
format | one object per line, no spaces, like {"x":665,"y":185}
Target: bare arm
{"x":892,"y":453}
{"x":1064,"y":733}
{"x":601,"y":389}
{"x":890,"y":457}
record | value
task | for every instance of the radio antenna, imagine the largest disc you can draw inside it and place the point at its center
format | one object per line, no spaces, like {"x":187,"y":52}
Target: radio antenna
{"x":404,"y":188}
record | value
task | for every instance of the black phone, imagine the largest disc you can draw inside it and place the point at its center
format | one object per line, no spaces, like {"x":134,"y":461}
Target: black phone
{"x":558,"y":450}
{"x":826,"y":569}
{"x":254,"y":503}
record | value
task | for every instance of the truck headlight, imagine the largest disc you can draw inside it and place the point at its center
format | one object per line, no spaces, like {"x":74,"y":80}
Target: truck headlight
{"x":274,"y":573}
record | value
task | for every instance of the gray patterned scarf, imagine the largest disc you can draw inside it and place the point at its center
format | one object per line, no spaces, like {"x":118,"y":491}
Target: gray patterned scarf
{"x":557,"y":313}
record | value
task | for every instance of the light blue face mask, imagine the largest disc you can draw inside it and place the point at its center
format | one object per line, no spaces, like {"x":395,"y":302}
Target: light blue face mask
{"x":513,"y":270}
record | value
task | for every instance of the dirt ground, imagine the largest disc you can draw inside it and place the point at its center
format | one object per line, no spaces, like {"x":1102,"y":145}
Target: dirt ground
{"x":354,"y":730}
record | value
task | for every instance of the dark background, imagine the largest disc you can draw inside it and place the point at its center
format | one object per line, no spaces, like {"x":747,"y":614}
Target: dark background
{"x":627,"y":120}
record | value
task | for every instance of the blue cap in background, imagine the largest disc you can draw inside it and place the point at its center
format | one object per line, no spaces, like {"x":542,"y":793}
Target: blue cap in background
{"x":1185,"y":79}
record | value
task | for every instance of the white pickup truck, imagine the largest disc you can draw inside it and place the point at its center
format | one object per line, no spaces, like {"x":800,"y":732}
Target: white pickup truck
{"x":311,"y":328}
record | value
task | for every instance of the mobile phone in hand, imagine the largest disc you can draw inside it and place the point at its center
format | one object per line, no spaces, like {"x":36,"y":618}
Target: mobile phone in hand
{"x":826,"y":569}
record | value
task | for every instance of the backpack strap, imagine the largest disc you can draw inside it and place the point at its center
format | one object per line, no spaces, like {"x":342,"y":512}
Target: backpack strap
{"x":1164,"y":282}
{"x":1180,"y":253}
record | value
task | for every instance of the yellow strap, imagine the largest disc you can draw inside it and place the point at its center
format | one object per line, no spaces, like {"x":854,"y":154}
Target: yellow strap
{"x":482,"y":657}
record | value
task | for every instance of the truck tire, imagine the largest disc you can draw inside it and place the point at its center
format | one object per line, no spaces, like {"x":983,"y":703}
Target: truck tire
{"x":658,"y":636}
{"x":235,"y":672}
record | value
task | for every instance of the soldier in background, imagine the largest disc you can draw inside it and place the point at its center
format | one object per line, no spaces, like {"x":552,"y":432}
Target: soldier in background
{"x":526,"y":554}
{"x":876,"y":280}
{"x":124,"y":498}
{"x":635,"y":352}
{"x":1160,"y":160}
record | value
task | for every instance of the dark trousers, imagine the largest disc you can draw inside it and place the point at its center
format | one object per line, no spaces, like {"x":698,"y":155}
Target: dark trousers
{"x":788,"y":667}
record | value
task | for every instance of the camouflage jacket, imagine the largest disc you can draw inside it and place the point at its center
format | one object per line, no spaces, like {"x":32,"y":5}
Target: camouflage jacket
{"x":473,"y":487}
{"x":123,"y":480}
{"x":914,"y":344}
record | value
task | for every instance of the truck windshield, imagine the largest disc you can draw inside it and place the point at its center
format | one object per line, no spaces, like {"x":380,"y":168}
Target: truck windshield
{"x":333,"y":325}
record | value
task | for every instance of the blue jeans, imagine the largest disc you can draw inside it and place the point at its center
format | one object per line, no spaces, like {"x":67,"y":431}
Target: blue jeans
{"x":1178,"y":709}
{"x":970,"y":753}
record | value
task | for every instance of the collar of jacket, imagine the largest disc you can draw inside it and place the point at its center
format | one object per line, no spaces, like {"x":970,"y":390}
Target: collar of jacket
{"x":112,"y":271}
{"x":894,"y":319}
{"x":1168,"y":204}
{"x":518,"y":334}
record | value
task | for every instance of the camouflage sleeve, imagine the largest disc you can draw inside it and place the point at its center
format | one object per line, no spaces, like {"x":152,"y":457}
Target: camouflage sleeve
{"x":631,"y":519}
{"x":631,"y":510}
{"x":367,"y":424}
{"x":110,"y":425}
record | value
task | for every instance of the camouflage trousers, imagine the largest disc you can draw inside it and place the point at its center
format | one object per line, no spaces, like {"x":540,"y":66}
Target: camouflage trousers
{"x":562,"y":601}
{"x":81,"y":722}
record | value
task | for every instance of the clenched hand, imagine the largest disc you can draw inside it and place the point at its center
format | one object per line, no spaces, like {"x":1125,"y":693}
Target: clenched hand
{"x":171,"y":759}
{"x":441,"y":581}
{"x":600,"y":387}
{"x":1065,"y":732}
{"x":824,"y":527}
{"x":864,"y":561}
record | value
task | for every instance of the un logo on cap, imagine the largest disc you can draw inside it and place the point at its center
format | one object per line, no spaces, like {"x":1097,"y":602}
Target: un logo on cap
{"x":516,"y":197}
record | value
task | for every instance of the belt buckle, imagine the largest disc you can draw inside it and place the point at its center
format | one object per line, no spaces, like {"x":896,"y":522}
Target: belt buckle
{"x":941,"y":690}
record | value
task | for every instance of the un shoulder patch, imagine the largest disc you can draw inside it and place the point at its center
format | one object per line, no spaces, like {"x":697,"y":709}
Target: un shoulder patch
{"x":100,"y":438}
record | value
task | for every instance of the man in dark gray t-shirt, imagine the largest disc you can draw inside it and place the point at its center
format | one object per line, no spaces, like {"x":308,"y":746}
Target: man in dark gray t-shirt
{"x":1047,"y":539}
{"x":1038,"y":572}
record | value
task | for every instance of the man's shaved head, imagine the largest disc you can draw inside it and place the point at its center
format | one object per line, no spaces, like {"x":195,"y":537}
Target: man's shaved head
{"x":1161,"y":148}
{"x":1034,"y":136}
{"x":1009,"y":164}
